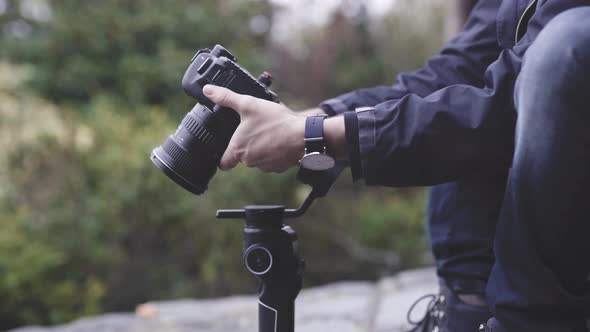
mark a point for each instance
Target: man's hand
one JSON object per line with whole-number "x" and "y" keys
{"x": 269, "y": 137}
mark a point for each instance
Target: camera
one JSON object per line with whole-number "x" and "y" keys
{"x": 190, "y": 155}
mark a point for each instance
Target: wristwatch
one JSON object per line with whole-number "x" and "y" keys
{"x": 315, "y": 157}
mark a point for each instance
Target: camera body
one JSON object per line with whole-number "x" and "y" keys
{"x": 190, "y": 155}
{"x": 219, "y": 67}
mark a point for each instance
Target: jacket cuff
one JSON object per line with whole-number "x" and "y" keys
{"x": 366, "y": 128}
{"x": 334, "y": 106}
{"x": 360, "y": 137}
{"x": 351, "y": 130}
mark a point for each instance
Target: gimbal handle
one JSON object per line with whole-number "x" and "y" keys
{"x": 271, "y": 251}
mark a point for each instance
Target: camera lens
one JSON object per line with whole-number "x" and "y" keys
{"x": 258, "y": 260}
{"x": 190, "y": 155}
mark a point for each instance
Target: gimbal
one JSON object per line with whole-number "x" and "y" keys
{"x": 271, "y": 251}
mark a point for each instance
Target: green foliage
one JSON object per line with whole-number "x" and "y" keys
{"x": 131, "y": 50}
{"x": 409, "y": 34}
{"x": 394, "y": 222}
{"x": 107, "y": 230}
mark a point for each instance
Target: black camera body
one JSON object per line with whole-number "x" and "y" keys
{"x": 219, "y": 67}
{"x": 190, "y": 155}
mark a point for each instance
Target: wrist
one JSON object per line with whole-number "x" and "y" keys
{"x": 335, "y": 137}
{"x": 310, "y": 112}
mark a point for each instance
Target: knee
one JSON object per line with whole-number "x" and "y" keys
{"x": 563, "y": 45}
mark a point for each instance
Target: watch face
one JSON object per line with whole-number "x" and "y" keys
{"x": 317, "y": 161}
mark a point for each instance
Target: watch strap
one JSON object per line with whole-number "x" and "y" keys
{"x": 314, "y": 134}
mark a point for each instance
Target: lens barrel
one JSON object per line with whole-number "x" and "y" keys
{"x": 190, "y": 156}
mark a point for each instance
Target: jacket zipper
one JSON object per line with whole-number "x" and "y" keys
{"x": 530, "y": 6}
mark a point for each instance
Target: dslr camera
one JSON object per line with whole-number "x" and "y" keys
{"x": 190, "y": 155}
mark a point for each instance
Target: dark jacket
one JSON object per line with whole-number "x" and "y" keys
{"x": 454, "y": 116}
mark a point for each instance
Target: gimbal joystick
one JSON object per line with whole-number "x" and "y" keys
{"x": 271, "y": 251}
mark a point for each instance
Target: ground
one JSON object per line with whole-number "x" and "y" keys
{"x": 343, "y": 307}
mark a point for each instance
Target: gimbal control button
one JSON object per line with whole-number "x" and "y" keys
{"x": 258, "y": 260}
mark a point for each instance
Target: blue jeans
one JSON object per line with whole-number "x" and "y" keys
{"x": 530, "y": 241}
{"x": 462, "y": 218}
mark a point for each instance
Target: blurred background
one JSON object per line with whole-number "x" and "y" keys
{"x": 88, "y": 88}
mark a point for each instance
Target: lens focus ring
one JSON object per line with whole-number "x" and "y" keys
{"x": 197, "y": 130}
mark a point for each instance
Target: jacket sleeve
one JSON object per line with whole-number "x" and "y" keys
{"x": 462, "y": 60}
{"x": 428, "y": 140}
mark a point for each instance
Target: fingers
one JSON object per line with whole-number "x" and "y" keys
{"x": 229, "y": 159}
{"x": 227, "y": 98}
{"x": 227, "y": 162}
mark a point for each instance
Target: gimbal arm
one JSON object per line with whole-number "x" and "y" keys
{"x": 320, "y": 182}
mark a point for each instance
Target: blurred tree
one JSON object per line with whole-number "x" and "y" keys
{"x": 88, "y": 224}
{"x": 353, "y": 51}
{"x": 341, "y": 57}
{"x": 133, "y": 50}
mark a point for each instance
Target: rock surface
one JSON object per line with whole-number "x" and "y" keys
{"x": 343, "y": 307}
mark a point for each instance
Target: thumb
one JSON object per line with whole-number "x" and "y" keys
{"x": 227, "y": 98}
